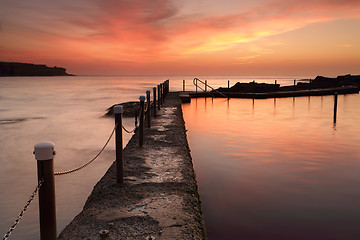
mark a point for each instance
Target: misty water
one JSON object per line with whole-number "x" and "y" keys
{"x": 69, "y": 112}
{"x": 277, "y": 168}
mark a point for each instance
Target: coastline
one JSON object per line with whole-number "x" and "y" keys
{"x": 159, "y": 197}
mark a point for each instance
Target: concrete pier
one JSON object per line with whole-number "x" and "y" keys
{"x": 159, "y": 197}
{"x": 186, "y": 96}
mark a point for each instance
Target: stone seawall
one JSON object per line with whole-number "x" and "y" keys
{"x": 159, "y": 197}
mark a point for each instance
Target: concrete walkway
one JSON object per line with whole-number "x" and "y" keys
{"x": 159, "y": 198}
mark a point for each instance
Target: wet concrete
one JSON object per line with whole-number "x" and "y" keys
{"x": 158, "y": 198}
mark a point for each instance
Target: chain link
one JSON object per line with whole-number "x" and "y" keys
{"x": 128, "y": 130}
{"x": 16, "y": 222}
{"x": 88, "y": 163}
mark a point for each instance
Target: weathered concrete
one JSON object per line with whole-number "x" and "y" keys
{"x": 159, "y": 196}
{"x": 280, "y": 94}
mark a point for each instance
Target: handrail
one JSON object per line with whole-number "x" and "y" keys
{"x": 207, "y": 85}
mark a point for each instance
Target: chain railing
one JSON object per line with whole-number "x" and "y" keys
{"x": 44, "y": 154}
{"x": 16, "y": 222}
{"x": 89, "y": 162}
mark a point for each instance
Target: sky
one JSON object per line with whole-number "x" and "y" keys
{"x": 184, "y": 37}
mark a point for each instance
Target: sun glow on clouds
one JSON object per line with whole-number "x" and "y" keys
{"x": 122, "y": 33}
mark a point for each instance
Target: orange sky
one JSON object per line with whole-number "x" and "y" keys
{"x": 193, "y": 37}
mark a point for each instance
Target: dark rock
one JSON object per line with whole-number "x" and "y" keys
{"x": 8, "y": 69}
{"x": 130, "y": 109}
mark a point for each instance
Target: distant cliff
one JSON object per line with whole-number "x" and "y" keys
{"x": 27, "y": 69}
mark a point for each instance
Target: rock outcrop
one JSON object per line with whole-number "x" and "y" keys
{"x": 8, "y": 69}
{"x": 305, "y": 84}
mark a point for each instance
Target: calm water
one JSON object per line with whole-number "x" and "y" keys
{"x": 67, "y": 111}
{"x": 277, "y": 169}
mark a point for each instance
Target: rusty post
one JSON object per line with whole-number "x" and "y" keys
{"x": 154, "y": 100}
{"x": 148, "y": 111}
{"x": 159, "y": 92}
{"x": 141, "y": 126}
{"x": 118, "y": 110}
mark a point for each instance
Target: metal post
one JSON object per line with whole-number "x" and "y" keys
{"x": 118, "y": 110}
{"x": 44, "y": 154}
{"x": 154, "y": 100}
{"x": 335, "y": 105}
{"x": 136, "y": 119}
{"x": 159, "y": 93}
{"x": 275, "y": 82}
{"x": 148, "y": 112}
{"x": 196, "y": 86}
{"x": 167, "y": 87}
{"x": 183, "y": 85}
{"x": 205, "y": 85}
{"x": 141, "y": 127}
{"x": 228, "y": 83}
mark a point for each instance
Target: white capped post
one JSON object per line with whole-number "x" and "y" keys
{"x": 44, "y": 154}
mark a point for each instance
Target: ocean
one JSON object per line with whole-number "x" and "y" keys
{"x": 69, "y": 111}
{"x": 277, "y": 168}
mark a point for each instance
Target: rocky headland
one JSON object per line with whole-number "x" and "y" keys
{"x": 9, "y": 69}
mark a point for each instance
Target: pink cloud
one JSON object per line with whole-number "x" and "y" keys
{"x": 143, "y": 31}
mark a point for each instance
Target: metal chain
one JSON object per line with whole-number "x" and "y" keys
{"x": 16, "y": 222}
{"x": 88, "y": 163}
{"x": 128, "y": 130}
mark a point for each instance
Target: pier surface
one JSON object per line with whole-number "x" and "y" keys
{"x": 186, "y": 96}
{"x": 159, "y": 198}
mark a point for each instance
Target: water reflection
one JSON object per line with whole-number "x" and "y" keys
{"x": 273, "y": 169}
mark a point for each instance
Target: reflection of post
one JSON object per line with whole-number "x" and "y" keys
{"x": 335, "y": 105}
{"x": 274, "y": 106}
{"x": 228, "y": 105}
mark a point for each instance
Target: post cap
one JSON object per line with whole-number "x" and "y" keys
{"x": 154, "y": 88}
{"x": 142, "y": 98}
{"x": 44, "y": 151}
{"x": 118, "y": 109}
{"x": 147, "y": 92}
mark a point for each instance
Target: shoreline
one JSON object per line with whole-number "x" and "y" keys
{"x": 159, "y": 197}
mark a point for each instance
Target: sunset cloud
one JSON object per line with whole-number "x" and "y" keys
{"x": 142, "y": 31}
